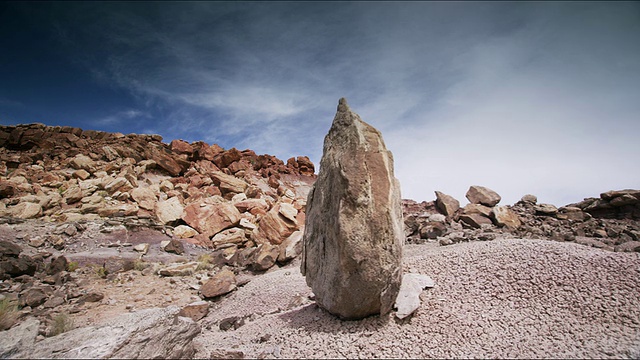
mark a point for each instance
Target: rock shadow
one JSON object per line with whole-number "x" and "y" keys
{"x": 313, "y": 319}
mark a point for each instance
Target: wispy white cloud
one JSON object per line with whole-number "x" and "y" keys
{"x": 533, "y": 97}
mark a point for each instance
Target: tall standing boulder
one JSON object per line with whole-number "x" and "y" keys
{"x": 352, "y": 245}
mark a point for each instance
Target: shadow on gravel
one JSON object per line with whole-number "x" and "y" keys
{"x": 312, "y": 319}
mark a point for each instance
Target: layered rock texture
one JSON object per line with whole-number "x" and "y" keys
{"x": 195, "y": 193}
{"x": 352, "y": 246}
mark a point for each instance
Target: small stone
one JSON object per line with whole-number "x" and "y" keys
{"x": 196, "y": 310}
{"x": 220, "y": 284}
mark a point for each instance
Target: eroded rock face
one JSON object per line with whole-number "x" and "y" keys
{"x": 353, "y": 237}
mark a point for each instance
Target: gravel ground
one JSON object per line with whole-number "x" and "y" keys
{"x": 509, "y": 298}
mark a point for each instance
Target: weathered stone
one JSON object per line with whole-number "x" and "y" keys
{"x": 353, "y": 238}
{"x": 7, "y": 248}
{"x": 572, "y": 213}
{"x": 274, "y": 227}
{"x": 477, "y": 209}
{"x": 482, "y": 195}
{"x": 250, "y": 204}
{"x": 529, "y": 199}
{"x": 228, "y": 183}
{"x": 475, "y": 220}
{"x": 145, "y": 197}
{"x": 265, "y": 257}
{"x": 174, "y": 246}
{"x": 288, "y": 211}
{"x": 118, "y": 184}
{"x": 432, "y": 230}
{"x": 408, "y": 300}
{"x": 230, "y": 236}
{"x": 58, "y": 264}
{"x": 184, "y": 232}
{"x": 181, "y": 147}
{"x": 72, "y": 195}
{"x": 221, "y": 283}
{"x": 291, "y": 247}
{"x": 447, "y": 204}
{"x": 196, "y": 310}
{"x": 211, "y": 215}
{"x": 142, "y": 248}
{"x": 33, "y": 297}
{"x": 150, "y": 333}
{"x": 169, "y": 210}
{"x": 83, "y": 162}
{"x": 179, "y": 269}
{"x": 546, "y": 209}
{"x": 18, "y": 338}
{"x": 81, "y": 174}
{"x": 504, "y": 216}
{"x": 26, "y": 210}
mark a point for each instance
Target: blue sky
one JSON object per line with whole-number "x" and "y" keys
{"x": 537, "y": 97}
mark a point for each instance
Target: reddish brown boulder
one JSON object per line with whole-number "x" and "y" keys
{"x": 447, "y": 204}
{"x": 226, "y": 158}
{"x": 274, "y": 227}
{"x": 181, "y": 147}
{"x": 482, "y": 195}
{"x": 221, "y": 283}
{"x": 211, "y": 215}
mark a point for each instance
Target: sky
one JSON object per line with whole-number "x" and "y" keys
{"x": 535, "y": 98}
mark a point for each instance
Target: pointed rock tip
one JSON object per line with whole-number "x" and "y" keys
{"x": 342, "y": 105}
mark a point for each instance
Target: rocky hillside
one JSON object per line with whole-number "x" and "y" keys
{"x": 199, "y": 193}
{"x": 609, "y": 222}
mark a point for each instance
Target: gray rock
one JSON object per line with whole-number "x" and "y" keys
{"x": 149, "y": 333}
{"x": 18, "y": 338}
{"x": 352, "y": 245}
{"x": 408, "y": 300}
{"x": 546, "y": 209}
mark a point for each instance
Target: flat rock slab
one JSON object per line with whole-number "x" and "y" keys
{"x": 408, "y": 300}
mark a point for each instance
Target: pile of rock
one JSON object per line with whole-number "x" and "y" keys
{"x": 608, "y": 222}
{"x": 248, "y": 205}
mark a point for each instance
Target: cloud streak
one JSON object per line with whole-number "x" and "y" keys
{"x": 519, "y": 97}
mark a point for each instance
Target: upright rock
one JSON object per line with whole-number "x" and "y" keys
{"x": 352, "y": 245}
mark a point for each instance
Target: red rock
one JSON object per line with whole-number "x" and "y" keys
{"x": 305, "y": 166}
{"x": 226, "y": 158}
{"x": 447, "y": 204}
{"x": 221, "y": 283}
{"x": 210, "y": 216}
{"x": 181, "y": 147}
{"x": 274, "y": 228}
{"x": 482, "y": 195}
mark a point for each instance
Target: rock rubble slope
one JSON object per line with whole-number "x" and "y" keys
{"x": 508, "y": 298}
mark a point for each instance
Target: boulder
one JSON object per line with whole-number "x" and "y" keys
{"x": 196, "y": 310}
{"x": 228, "y": 184}
{"x": 291, "y": 247}
{"x": 265, "y": 257}
{"x": 184, "y": 232}
{"x": 150, "y": 333}
{"x": 72, "y": 195}
{"x": 529, "y": 199}
{"x": 447, "y": 204}
{"x": 275, "y": 227}
{"x": 169, "y": 210}
{"x": 181, "y": 147}
{"x": 504, "y": 216}
{"x": 174, "y": 246}
{"x": 230, "y": 236}
{"x": 221, "y": 283}
{"x": 477, "y": 209}
{"x": 352, "y": 244}
{"x": 546, "y": 209}
{"x": 145, "y": 197}
{"x": 482, "y": 195}
{"x": 211, "y": 215}
{"x": 475, "y": 220}
{"x": 83, "y": 162}
{"x": 179, "y": 269}
{"x": 26, "y": 210}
